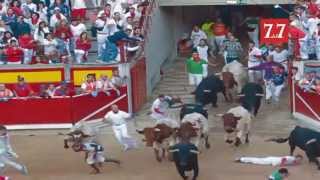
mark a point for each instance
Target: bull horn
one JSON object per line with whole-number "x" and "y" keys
{"x": 241, "y": 95}
{"x": 259, "y": 94}
{"x": 194, "y": 151}
{"x": 157, "y": 129}
{"x": 218, "y": 74}
{"x": 140, "y": 131}
{"x": 219, "y": 115}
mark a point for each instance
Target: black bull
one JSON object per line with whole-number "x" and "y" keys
{"x": 250, "y": 97}
{"x": 306, "y": 139}
{"x": 185, "y": 157}
{"x": 206, "y": 91}
{"x": 191, "y": 108}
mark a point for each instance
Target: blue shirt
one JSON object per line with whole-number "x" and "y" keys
{"x": 278, "y": 79}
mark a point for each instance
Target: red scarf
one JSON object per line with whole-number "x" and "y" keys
{"x": 107, "y": 12}
{"x": 58, "y": 16}
{"x": 132, "y": 14}
{"x": 34, "y": 20}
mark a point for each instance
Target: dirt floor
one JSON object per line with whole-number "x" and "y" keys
{"x": 47, "y": 160}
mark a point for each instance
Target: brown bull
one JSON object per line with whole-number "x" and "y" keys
{"x": 230, "y": 123}
{"x": 229, "y": 83}
{"x": 159, "y": 137}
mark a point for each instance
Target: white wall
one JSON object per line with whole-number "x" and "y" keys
{"x": 219, "y": 2}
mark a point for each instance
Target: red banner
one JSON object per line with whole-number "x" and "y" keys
{"x": 274, "y": 31}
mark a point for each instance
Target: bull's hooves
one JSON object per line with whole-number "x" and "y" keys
{"x": 229, "y": 141}
{"x": 208, "y": 146}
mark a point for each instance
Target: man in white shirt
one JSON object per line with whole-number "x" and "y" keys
{"x": 77, "y": 28}
{"x": 280, "y": 55}
{"x": 197, "y": 35}
{"x": 56, "y": 17}
{"x": 104, "y": 84}
{"x": 272, "y": 160}
{"x": 117, "y": 119}
{"x": 254, "y": 59}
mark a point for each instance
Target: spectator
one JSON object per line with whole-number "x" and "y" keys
{"x": 117, "y": 80}
{"x": 197, "y": 35}
{"x": 106, "y": 12}
{"x": 90, "y": 85}
{"x": 78, "y": 9}
{"x": 83, "y": 45}
{"x": 42, "y": 10}
{"x": 118, "y": 20}
{"x": 63, "y": 47}
{"x": 38, "y": 59}
{"x": 43, "y": 91}
{"x": 77, "y": 28}
{"x": 61, "y": 7}
{"x": 296, "y": 76}
{"x": 195, "y": 69}
{"x": 20, "y": 27}
{"x": 13, "y": 53}
{"x": 16, "y": 7}
{"x": 5, "y": 92}
{"x": 62, "y": 90}
{"x": 27, "y": 44}
{"x": 51, "y": 90}
{"x": 10, "y": 17}
{"x": 28, "y": 7}
{"x": 34, "y": 21}
{"x": 63, "y": 27}
{"x": 3, "y": 8}
{"x": 105, "y": 85}
{"x": 102, "y": 31}
{"x": 56, "y": 17}
{"x": 316, "y": 86}
{"x": 306, "y": 82}
{"x": 50, "y": 48}
{"x": 22, "y": 89}
{"x": 40, "y": 32}
{"x": 7, "y": 37}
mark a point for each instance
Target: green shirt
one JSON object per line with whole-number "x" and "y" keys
{"x": 276, "y": 176}
{"x": 206, "y": 27}
{"x": 194, "y": 67}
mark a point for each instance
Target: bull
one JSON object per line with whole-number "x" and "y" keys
{"x": 160, "y": 138}
{"x": 206, "y": 92}
{"x": 200, "y": 125}
{"x": 250, "y": 97}
{"x": 185, "y": 154}
{"x": 239, "y": 72}
{"x": 192, "y": 108}
{"x": 304, "y": 138}
{"x": 236, "y": 121}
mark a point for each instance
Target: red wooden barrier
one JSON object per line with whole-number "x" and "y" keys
{"x": 138, "y": 84}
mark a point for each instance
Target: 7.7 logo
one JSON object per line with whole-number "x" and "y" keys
{"x": 274, "y": 31}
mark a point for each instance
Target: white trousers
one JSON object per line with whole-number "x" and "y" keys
{"x": 95, "y": 157}
{"x": 254, "y": 36}
{"x": 101, "y": 39}
{"x": 121, "y": 132}
{"x": 303, "y": 48}
{"x": 4, "y": 160}
{"x": 79, "y": 55}
{"x": 262, "y": 161}
{"x": 27, "y": 56}
{"x": 195, "y": 79}
{"x": 254, "y": 76}
{"x": 273, "y": 91}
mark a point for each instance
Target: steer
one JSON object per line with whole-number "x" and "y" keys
{"x": 306, "y": 139}
{"x": 250, "y": 97}
{"x": 206, "y": 92}
{"x": 191, "y": 108}
{"x": 236, "y": 121}
{"x": 239, "y": 73}
{"x": 201, "y": 127}
{"x": 160, "y": 138}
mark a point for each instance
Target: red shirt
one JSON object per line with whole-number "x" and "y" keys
{"x": 313, "y": 9}
{"x": 17, "y": 11}
{"x": 219, "y": 29}
{"x": 83, "y": 45}
{"x": 22, "y": 90}
{"x": 26, "y": 42}
{"x": 14, "y": 54}
{"x": 63, "y": 29}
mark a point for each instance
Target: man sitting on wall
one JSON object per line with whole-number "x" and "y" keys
{"x": 5, "y": 93}
{"x": 22, "y": 89}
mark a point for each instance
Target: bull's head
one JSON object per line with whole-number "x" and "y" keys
{"x": 186, "y": 131}
{"x": 76, "y": 137}
{"x": 230, "y": 122}
{"x": 156, "y": 134}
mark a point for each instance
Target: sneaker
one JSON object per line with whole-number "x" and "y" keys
{"x": 24, "y": 170}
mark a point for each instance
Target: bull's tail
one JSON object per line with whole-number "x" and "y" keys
{"x": 278, "y": 140}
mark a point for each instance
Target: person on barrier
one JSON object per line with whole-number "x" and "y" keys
{"x": 5, "y": 93}
{"x": 117, "y": 119}
{"x": 90, "y": 85}
{"x": 105, "y": 85}
{"x": 22, "y": 89}
{"x": 7, "y": 155}
{"x": 117, "y": 80}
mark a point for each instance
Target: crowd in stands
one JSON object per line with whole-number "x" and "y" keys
{"x": 91, "y": 86}
{"x": 60, "y": 31}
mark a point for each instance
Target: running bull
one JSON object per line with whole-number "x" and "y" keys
{"x": 306, "y": 139}
{"x": 236, "y": 121}
{"x": 206, "y": 92}
{"x": 250, "y": 97}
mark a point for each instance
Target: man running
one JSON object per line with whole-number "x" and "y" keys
{"x": 117, "y": 119}
{"x": 7, "y": 155}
